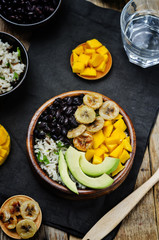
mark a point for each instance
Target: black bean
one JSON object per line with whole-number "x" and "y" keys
{"x": 69, "y": 111}
{"x": 58, "y": 113}
{"x": 61, "y": 119}
{"x": 42, "y": 125}
{"x": 64, "y": 131}
{"x": 66, "y": 121}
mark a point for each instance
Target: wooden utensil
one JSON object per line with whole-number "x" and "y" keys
{"x": 111, "y": 219}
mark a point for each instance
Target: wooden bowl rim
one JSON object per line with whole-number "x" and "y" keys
{"x": 4, "y": 206}
{"x": 90, "y": 193}
{"x": 99, "y": 74}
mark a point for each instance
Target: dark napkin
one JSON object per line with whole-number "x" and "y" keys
{"x": 133, "y": 88}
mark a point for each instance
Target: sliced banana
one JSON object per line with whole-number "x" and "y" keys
{"x": 85, "y": 114}
{"x": 29, "y": 210}
{"x": 84, "y": 141}
{"x": 12, "y": 222}
{"x": 4, "y": 216}
{"x": 96, "y": 125}
{"x": 14, "y": 206}
{"x": 76, "y": 131}
{"x": 93, "y": 100}
{"x": 109, "y": 110}
{"x": 26, "y": 228}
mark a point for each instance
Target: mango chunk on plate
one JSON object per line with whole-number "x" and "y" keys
{"x": 93, "y": 43}
{"x": 4, "y": 144}
{"x": 89, "y": 72}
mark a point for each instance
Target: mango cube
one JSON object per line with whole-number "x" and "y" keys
{"x": 102, "y": 50}
{"x": 3, "y": 135}
{"x": 78, "y": 67}
{"x": 111, "y": 147}
{"x": 84, "y": 59}
{"x": 118, "y": 117}
{"x": 75, "y": 57}
{"x": 120, "y": 124}
{"x": 3, "y": 153}
{"x": 99, "y": 152}
{"x": 124, "y": 156}
{"x": 117, "y": 151}
{"x": 96, "y": 60}
{"x": 102, "y": 146}
{"x": 97, "y": 160}
{"x": 107, "y": 123}
{"x": 127, "y": 145}
{"x": 106, "y": 155}
{"x": 119, "y": 133}
{"x": 98, "y": 139}
{"x": 119, "y": 169}
{"x": 78, "y": 50}
{"x": 101, "y": 67}
{"x": 89, "y": 71}
{"x": 89, "y": 154}
{"x": 107, "y": 131}
{"x": 112, "y": 140}
{"x": 89, "y": 51}
{"x": 106, "y": 58}
{"x": 93, "y": 43}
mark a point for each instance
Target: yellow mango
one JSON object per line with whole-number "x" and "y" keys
{"x": 107, "y": 131}
{"x": 89, "y": 154}
{"x": 75, "y": 57}
{"x": 111, "y": 147}
{"x": 106, "y": 57}
{"x": 89, "y": 71}
{"x": 93, "y": 43}
{"x": 97, "y": 160}
{"x": 124, "y": 156}
{"x": 117, "y": 151}
{"x": 119, "y": 133}
{"x": 3, "y": 153}
{"x": 6, "y": 145}
{"x": 120, "y": 124}
{"x": 89, "y": 51}
{"x": 107, "y": 123}
{"x": 84, "y": 59}
{"x": 98, "y": 139}
{"x": 103, "y": 146}
{"x": 96, "y": 60}
{"x": 106, "y": 155}
{"x": 119, "y": 169}
{"x": 101, "y": 67}
{"x": 3, "y": 135}
{"x": 78, "y": 67}
{"x": 127, "y": 145}
{"x": 99, "y": 152}
{"x": 102, "y": 50}
{"x": 78, "y": 50}
{"x": 112, "y": 140}
{"x": 128, "y": 139}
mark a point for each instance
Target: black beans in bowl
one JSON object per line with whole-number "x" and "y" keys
{"x": 28, "y": 12}
{"x": 58, "y": 119}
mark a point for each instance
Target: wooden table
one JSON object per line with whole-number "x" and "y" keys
{"x": 143, "y": 222}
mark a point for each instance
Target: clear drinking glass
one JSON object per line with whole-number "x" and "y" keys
{"x": 140, "y": 31}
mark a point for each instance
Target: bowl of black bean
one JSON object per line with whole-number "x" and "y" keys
{"x": 30, "y": 13}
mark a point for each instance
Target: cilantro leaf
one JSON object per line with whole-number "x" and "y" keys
{"x": 15, "y": 76}
{"x": 19, "y": 53}
{"x": 44, "y": 160}
{"x": 2, "y": 78}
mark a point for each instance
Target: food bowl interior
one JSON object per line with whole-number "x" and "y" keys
{"x": 62, "y": 190}
{"x": 14, "y": 42}
{"x": 36, "y": 23}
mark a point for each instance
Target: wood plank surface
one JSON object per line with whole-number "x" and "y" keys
{"x": 143, "y": 221}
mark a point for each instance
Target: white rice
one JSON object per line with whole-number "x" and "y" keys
{"x": 9, "y": 66}
{"x": 48, "y": 147}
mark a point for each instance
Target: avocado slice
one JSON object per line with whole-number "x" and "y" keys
{"x": 72, "y": 158}
{"x": 107, "y": 166}
{"x": 63, "y": 170}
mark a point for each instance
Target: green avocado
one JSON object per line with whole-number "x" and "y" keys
{"x": 63, "y": 170}
{"x": 72, "y": 158}
{"x": 94, "y": 170}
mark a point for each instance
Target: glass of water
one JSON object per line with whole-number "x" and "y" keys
{"x": 140, "y": 31}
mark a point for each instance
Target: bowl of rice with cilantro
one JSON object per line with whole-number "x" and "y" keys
{"x": 13, "y": 63}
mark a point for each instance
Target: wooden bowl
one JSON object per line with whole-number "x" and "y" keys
{"x": 60, "y": 189}
{"x": 99, "y": 74}
{"x": 13, "y": 233}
